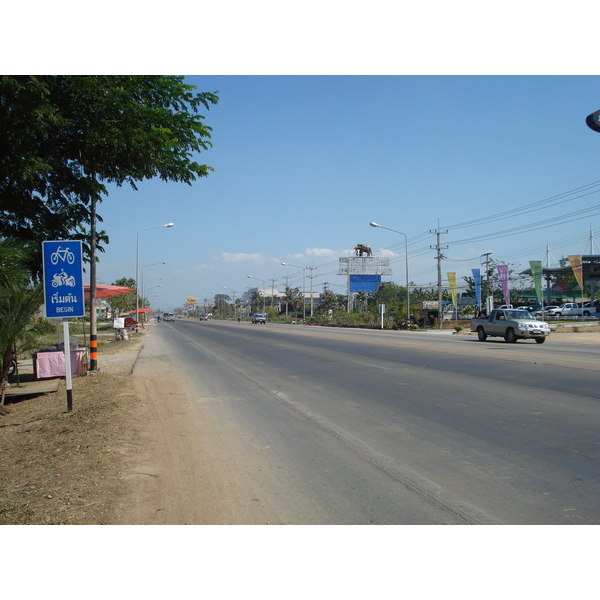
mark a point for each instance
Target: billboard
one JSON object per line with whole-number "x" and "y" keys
{"x": 364, "y": 283}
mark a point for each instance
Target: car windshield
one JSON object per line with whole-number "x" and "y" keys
{"x": 519, "y": 314}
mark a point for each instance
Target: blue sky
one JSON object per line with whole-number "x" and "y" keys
{"x": 304, "y": 163}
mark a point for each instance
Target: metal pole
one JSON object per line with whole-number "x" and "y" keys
{"x": 69, "y": 383}
{"x": 373, "y": 224}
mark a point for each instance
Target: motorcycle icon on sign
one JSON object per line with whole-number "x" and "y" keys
{"x": 63, "y": 279}
{"x": 62, "y": 254}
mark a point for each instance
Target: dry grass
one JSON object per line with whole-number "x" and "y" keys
{"x": 59, "y": 467}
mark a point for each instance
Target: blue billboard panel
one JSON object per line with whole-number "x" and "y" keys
{"x": 364, "y": 283}
{"x": 63, "y": 279}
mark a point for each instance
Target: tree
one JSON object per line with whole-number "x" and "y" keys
{"x": 295, "y": 298}
{"x": 222, "y": 304}
{"x": 328, "y": 301}
{"x": 66, "y": 137}
{"x": 19, "y": 300}
{"x": 123, "y": 302}
{"x": 361, "y": 300}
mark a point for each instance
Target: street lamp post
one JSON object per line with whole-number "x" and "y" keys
{"x": 303, "y": 286}
{"x": 162, "y": 262}
{"x": 137, "y": 262}
{"x": 264, "y": 288}
{"x": 373, "y": 224}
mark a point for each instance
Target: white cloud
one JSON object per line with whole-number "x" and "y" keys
{"x": 385, "y": 253}
{"x": 321, "y": 252}
{"x": 240, "y": 257}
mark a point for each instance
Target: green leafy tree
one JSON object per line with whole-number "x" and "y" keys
{"x": 222, "y": 304}
{"x": 66, "y": 137}
{"x": 361, "y": 300}
{"x": 19, "y": 299}
{"x": 293, "y": 297}
{"x": 328, "y": 301}
{"x": 394, "y": 297}
{"x": 124, "y": 302}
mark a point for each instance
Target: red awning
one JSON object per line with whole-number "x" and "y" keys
{"x": 104, "y": 291}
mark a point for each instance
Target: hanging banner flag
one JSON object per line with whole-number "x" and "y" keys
{"x": 503, "y": 274}
{"x": 477, "y": 279}
{"x": 576, "y": 265}
{"x": 536, "y": 274}
{"x": 452, "y": 282}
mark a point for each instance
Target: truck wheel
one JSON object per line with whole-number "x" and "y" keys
{"x": 540, "y": 340}
{"x": 586, "y": 313}
{"x": 510, "y": 335}
{"x": 481, "y": 334}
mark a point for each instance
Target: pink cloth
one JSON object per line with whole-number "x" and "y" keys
{"x": 52, "y": 363}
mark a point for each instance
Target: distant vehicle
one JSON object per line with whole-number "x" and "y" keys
{"x": 569, "y": 309}
{"x": 168, "y": 317}
{"x": 532, "y": 308}
{"x": 512, "y": 325}
{"x": 259, "y": 318}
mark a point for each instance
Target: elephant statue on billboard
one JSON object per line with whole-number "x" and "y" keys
{"x": 361, "y": 249}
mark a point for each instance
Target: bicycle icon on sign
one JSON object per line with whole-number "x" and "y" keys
{"x": 62, "y": 254}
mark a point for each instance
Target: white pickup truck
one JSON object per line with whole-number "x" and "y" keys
{"x": 512, "y": 325}
{"x": 570, "y": 309}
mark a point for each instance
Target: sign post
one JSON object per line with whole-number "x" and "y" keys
{"x": 382, "y": 312}
{"x": 63, "y": 292}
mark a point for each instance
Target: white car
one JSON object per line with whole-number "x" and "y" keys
{"x": 570, "y": 309}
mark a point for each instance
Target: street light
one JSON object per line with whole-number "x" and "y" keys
{"x": 264, "y": 287}
{"x": 373, "y": 224}
{"x": 303, "y": 287}
{"x": 137, "y": 262}
{"x": 146, "y": 289}
{"x": 162, "y": 262}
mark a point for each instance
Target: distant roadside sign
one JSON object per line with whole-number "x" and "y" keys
{"x": 63, "y": 279}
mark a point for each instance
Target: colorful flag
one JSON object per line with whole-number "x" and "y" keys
{"x": 576, "y": 265}
{"x": 503, "y": 274}
{"x": 536, "y": 274}
{"x": 452, "y": 282}
{"x": 477, "y": 279}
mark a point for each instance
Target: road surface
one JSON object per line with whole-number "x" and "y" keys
{"x": 342, "y": 426}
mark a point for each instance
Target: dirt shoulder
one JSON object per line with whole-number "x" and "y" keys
{"x": 136, "y": 449}
{"x": 62, "y": 468}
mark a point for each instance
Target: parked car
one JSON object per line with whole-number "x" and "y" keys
{"x": 532, "y": 308}
{"x": 570, "y": 309}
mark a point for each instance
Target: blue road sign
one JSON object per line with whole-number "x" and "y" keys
{"x": 63, "y": 279}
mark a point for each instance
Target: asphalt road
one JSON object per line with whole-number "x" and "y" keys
{"x": 341, "y": 426}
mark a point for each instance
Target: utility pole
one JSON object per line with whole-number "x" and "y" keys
{"x": 287, "y": 285}
{"x": 487, "y": 281}
{"x": 272, "y": 290}
{"x": 311, "y": 277}
{"x": 439, "y": 258}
